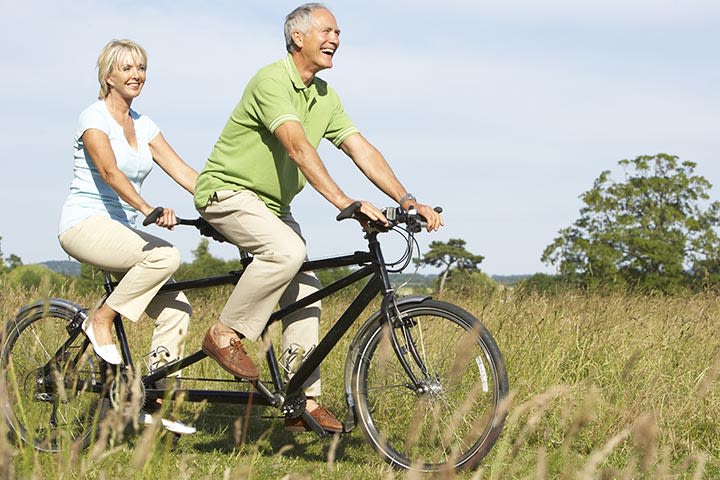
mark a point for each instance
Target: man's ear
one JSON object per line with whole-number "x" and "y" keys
{"x": 297, "y": 38}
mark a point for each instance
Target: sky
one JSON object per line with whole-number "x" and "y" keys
{"x": 503, "y": 112}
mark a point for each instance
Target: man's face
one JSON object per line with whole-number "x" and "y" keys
{"x": 319, "y": 45}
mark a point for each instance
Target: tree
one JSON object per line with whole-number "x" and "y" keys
{"x": 446, "y": 255}
{"x": 90, "y": 280}
{"x": 13, "y": 261}
{"x": 656, "y": 230}
{"x": 36, "y": 276}
{"x": 205, "y": 264}
{"x": 330, "y": 275}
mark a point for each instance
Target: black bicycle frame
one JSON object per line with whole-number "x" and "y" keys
{"x": 372, "y": 264}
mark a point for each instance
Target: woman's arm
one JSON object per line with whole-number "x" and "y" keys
{"x": 98, "y": 146}
{"x": 172, "y": 164}
{"x": 101, "y": 153}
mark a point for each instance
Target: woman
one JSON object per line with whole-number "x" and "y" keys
{"x": 114, "y": 150}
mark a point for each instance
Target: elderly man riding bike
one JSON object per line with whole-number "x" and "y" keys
{"x": 265, "y": 155}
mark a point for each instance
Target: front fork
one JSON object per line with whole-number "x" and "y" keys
{"x": 403, "y": 342}
{"x": 401, "y": 328}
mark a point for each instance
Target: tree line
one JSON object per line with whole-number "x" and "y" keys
{"x": 653, "y": 230}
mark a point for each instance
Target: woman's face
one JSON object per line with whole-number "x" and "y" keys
{"x": 127, "y": 77}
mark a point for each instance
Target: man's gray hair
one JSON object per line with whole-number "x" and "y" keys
{"x": 300, "y": 20}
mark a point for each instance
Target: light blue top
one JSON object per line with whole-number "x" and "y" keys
{"x": 89, "y": 194}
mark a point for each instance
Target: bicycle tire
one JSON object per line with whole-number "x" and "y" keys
{"x": 456, "y": 422}
{"x": 55, "y": 385}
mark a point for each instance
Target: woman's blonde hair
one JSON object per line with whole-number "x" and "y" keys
{"x": 111, "y": 55}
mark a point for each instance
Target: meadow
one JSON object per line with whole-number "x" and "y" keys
{"x": 602, "y": 386}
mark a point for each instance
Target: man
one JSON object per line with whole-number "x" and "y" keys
{"x": 263, "y": 158}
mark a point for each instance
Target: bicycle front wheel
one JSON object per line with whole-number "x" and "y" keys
{"x": 55, "y": 384}
{"x": 452, "y": 420}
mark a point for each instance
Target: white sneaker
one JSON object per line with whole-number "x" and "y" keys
{"x": 174, "y": 426}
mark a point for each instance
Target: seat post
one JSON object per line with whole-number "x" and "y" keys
{"x": 107, "y": 282}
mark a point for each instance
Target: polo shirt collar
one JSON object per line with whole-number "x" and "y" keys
{"x": 293, "y": 72}
{"x": 295, "y": 76}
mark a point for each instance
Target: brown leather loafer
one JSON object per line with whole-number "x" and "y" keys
{"x": 232, "y": 358}
{"x": 321, "y": 415}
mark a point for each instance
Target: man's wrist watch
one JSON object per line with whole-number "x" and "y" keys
{"x": 406, "y": 197}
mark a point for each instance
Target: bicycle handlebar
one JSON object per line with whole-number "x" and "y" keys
{"x": 200, "y": 223}
{"x": 395, "y": 216}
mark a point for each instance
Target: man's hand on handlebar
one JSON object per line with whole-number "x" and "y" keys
{"x": 393, "y": 216}
{"x": 432, "y": 217}
{"x": 372, "y": 212}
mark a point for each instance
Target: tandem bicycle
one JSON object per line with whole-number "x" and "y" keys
{"x": 423, "y": 379}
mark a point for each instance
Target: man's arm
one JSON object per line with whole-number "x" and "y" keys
{"x": 374, "y": 166}
{"x": 292, "y": 136}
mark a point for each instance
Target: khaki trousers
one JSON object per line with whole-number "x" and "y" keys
{"x": 272, "y": 277}
{"x": 143, "y": 263}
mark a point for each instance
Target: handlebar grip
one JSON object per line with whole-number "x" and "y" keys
{"x": 348, "y": 211}
{"x": 153, "y": 216}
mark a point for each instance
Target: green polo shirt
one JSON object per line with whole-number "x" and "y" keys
{"x": 249, "y": 156}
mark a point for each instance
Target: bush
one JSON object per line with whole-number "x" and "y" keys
{"x": 470, "y": 282}
{"x": 35, "y": 276}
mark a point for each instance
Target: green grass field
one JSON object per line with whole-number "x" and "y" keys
{"x": 601, "y": 387}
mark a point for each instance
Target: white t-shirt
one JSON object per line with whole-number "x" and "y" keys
{"x": 89, "y": 194}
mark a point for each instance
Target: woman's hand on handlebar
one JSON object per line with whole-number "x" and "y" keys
{"x": 165, "y": 219}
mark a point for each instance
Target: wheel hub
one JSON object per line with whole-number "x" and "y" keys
{"x": 430, "y": 387}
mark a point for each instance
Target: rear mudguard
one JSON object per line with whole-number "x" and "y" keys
{"x": 370, "y": 324}
{"x": 52, "y": 305}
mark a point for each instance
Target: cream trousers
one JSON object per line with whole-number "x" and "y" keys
{"x": 143, "y": 263}
{"x": 272, "y": 277}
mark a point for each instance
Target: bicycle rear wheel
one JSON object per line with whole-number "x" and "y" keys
{"x": 55, "y": 384}
{"x": 454, "y": 419}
